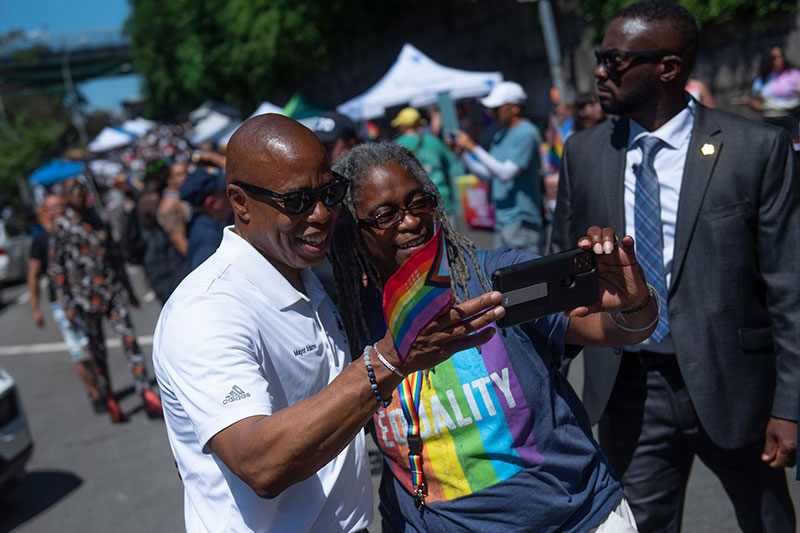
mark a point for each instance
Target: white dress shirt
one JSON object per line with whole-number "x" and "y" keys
{"x": 236, "y": 340}
{"x": 669, "y": 163}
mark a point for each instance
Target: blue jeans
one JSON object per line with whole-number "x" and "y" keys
{"x": 74, "y": 338}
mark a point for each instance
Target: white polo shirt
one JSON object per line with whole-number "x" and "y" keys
{"x": 235, "y": 340}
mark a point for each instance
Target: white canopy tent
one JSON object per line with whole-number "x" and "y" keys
{"x": 138, "y": 126}
{"x": 414, "y": 78}
{"x": 209, "y": 127}
{"x": 110, "y": 138}
{"x": 266, "y": 107}
{"x": 211, "y": 120}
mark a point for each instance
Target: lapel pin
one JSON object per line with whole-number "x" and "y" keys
{"x": 707, "y": 149}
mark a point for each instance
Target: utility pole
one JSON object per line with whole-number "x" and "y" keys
{"x": 77, "y": 117}
{"x": 551, "y": 44}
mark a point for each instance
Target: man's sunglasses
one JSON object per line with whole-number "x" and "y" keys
{"x": 610, "y": 59}
{"x": 300, "y": 201}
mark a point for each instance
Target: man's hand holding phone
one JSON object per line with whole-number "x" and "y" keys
{"x": 622, "y": 283}
{"x": 599, "y": 284}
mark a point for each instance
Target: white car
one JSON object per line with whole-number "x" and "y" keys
{"x": 16, "y": 445}
{"x": 15, "y": 250}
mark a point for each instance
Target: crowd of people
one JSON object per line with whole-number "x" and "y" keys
{"x": 272, "y": 352}
{"x": 169, "y": 218}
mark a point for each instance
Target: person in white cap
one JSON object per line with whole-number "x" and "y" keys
{"x": 512, "y": 163}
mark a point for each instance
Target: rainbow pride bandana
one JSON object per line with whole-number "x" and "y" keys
{"x": 417, "y": 293}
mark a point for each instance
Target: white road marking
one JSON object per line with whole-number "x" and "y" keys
{"x": 23, "y": 298}
{"x": 51, "y": 347}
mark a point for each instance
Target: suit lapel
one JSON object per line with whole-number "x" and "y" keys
{"x": 613, "y": 177}
{"x": 701, "y": 159}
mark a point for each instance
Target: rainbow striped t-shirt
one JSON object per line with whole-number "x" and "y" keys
{"x": 505, "y": 438}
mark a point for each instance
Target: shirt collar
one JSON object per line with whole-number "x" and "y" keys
{"x": 675, "y": 132}
{"x": 264, "y": 276}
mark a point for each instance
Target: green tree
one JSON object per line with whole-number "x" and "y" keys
{"x": 36, "y": 130}
{"x": 239, "y": 51}
{"x": 26, "y": 143}
{"x": 599, "y": 13}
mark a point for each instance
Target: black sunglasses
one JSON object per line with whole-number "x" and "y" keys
{"x": 300, "y": 201}
{"x": 610, "y": 59}
{"x": 421, "y": 204}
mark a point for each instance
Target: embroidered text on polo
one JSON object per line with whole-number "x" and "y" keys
{"x": 299, "y": 352}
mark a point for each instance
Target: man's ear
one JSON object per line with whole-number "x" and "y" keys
{"x": 670, "y": 68}
{"x": 238, "y": 201}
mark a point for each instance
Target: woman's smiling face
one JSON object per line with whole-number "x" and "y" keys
{"x": 387, "y": 188}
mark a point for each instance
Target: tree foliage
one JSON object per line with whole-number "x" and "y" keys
{"x": 238, "y": 51}
{"x": 36, "y": 127}
{"x": 35, "y": 131}
{"x": 599, "y": 13}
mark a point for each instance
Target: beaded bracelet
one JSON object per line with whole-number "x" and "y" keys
{"x": 650, "y": 293}
{"x": 653, "y": 292}
{"x": 373, "y": 383}
{"x": 387, "y": 364}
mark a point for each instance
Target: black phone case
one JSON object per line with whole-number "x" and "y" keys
{"x": 547, "y": 285}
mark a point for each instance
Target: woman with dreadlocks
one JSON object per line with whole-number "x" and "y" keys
{"x": 491, "y": 439}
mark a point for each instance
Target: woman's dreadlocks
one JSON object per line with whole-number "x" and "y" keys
{"x": 348, "y": 253}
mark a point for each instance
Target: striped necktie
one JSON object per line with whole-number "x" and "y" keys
{"x": 647, "y": 222}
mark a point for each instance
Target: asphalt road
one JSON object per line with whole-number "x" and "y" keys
{"x": 89, "y": 475}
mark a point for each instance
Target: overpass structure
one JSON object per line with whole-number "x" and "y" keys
{"x": 41, "y": 59}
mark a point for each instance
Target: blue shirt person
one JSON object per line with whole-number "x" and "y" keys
{"x": 205, "y": 190}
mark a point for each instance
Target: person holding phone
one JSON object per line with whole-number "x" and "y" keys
{"x": 512, "y": 165}
{"x": 264, "y": 399}
{"x": 502, "y": 437}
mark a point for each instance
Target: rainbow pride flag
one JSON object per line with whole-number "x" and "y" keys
{"x": 417, "y": 293}
{"x": 552, "y": 150}
{"x": 370, "y": 130}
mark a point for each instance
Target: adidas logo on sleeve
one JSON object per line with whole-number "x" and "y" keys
{"x": 235, "y": 395}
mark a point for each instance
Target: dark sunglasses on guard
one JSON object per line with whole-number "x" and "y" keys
{"x": 610, "y": 58}
{"x": 300, "y": 201}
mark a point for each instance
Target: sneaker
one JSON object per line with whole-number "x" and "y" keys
{"x": 152, "y": 404}
{"x": 99, "y": 405}
{"x": 149, "y": 296}
{"x": 113, "y": 409}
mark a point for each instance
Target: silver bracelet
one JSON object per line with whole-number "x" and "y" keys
{"x": 644, "y": 328}
{"x": 386, "y": 363}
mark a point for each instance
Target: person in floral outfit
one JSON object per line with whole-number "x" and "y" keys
{"x": 90, "y": 287}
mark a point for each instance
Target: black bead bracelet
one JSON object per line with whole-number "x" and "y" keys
{"x": 373, "y": 383}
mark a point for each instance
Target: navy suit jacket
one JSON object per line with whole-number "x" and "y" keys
{"x": 734, "y": 297}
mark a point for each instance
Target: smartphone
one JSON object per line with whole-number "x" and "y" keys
{"x": 547, "y": 285}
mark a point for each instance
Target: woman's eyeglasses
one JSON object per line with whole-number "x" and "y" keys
{"x": 421, "y": 204}
{"x": 300, "y": 201}
{"x": 610, "y": 59}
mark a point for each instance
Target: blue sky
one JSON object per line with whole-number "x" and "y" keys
{"x": 67, "y": 16}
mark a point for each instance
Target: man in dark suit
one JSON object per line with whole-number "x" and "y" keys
{"x": 712, "y": 200}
